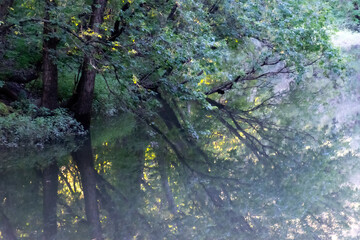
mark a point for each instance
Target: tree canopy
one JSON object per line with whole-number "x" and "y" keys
{"x": 165, "y": 60}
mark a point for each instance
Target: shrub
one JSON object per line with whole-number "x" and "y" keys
{"x": 37, "y": 126}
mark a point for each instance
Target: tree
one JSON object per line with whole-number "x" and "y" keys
{"x": 50, "y": 72}
{"x": 83, "y": 97}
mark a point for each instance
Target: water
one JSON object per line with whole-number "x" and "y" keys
{"x": 125, "y": 182}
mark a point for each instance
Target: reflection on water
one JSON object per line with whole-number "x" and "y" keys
{"x": 127, "y": 182}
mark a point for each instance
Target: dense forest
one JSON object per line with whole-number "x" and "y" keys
{"x": 209, "y": 119}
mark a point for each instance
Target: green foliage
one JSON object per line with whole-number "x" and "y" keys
{"x": 36, "y": 127}
{"x": 4, "y": 110}
{"x": 208, "y": 42}
{"x": 109, "y": 130}
{"x": 346, "y": 13}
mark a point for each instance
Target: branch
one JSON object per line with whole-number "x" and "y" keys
{"x": 242, "y": 139}
{"x": 248, "y": 77}
{"x": 65, "y": 28}
{"x": 66, "y": 182}
{"x": 182, "y": 159}
{"x": 117, "y": 30}
{"x": 172, "y": 12}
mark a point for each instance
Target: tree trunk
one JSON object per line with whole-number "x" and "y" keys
{"x": 4, "y": 8}
{"x": 50, "y": 73}
{"x": 82, "y": 102}
{"x": 50, "y": 187}
{"x": 4, "y": 11}
{"x": 85, "y": 162}
{"x": 83, "y": 97}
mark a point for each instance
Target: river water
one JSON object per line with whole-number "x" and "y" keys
{"x": 123, "y": 184}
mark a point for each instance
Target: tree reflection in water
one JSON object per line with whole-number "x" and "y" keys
{"x": 84, "y": 159}
{"x": 134, "y": 184}
{"x": 50, "y": 187}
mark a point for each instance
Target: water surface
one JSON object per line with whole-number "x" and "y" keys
{"x": 125, "y": 182}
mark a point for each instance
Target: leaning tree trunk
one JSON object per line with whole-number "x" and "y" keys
{"x": 83, "y": 97}
{"x": 50, "y": 72}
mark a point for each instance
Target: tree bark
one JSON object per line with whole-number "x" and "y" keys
{"x": 50, "y": 72}
{"x": 85, "y": 161}
{"x": 83, "y": 97}
{"x": 50, "y": 187}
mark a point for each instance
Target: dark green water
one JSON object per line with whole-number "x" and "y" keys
{"x": 126, "y": 183}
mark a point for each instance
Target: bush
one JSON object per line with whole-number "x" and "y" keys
{"x": 37, "y": 126}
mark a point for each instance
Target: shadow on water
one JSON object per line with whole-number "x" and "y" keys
{"x": 124, "y": 182}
